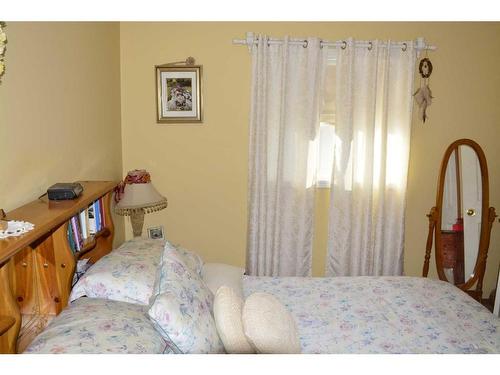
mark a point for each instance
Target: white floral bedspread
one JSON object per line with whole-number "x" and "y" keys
{"x": 382, "y": 315}
{"x": 94, "y": 326}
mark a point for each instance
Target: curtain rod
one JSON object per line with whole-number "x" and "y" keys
{"x": 420, "y": 44}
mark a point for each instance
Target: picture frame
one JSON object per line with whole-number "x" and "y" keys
{"x": 156, "y": 233}
{"x": 178, "y": 94}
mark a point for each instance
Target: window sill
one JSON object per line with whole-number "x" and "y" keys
{"x": 323, "y": 185}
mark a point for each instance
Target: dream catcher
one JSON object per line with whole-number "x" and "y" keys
{"x": 423, "y": 96}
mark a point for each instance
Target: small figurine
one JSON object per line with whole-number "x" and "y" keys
{"x": 423, "y": 96}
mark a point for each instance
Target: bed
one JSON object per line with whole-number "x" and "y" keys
{"x": 382, "y": 315}
{"x": 150, "y": 296}
{"x": 333, "y": 315}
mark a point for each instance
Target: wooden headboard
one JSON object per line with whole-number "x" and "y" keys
{"x": 37, "y": 268}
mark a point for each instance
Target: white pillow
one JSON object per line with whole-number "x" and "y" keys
{"x": 269, "y": 326}
{"x": 181, "y": 308}
{"x": 228, "y": 306}
{"x": 216, "y": 275}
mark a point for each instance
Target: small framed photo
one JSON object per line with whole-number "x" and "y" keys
{"x": 178, "y": 94}
{"x": 156, "y": 233}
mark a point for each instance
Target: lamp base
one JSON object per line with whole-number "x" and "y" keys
{"x": 137, "y": 220}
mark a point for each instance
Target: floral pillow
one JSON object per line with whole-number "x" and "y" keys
{"x": 94, "y": 326}
{"x": 190, "y": 258}
{"x": 182, "y": 308}
{"x": 126, "y": 274}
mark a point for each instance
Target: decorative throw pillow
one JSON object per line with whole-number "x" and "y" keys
{"x": 181, "y": 308}
{"x": 269, "y": 326}
{"x": 228, "y": 307}
{"x": 216, "y": 275}
{"x": 190, "y": 258}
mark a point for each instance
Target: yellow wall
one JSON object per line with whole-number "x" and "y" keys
{"x": 59, "y": 108}
{"x": 202, "y": 169}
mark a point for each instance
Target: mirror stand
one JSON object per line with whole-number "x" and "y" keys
{"x": 481, "y": 261}
{"x": 460, "y": 222}
{"x": 428, "y": 247}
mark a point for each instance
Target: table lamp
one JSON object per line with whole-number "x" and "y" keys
{"x": 136, "y": 196}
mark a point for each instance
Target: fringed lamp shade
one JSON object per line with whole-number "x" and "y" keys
{"x": 140, "y": 197}
{"x": 137, "y": 196}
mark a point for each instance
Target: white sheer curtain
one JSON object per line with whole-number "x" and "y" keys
{"x": 284, "y": 121}
{"x": 372, "y": 128}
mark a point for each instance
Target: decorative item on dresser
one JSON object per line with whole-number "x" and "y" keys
{"x": 136, "y": 196}
{"x": 36, "y": 268}
{"x": 461, "y": 220}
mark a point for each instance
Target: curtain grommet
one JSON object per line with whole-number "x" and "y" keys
{"x": 344, "y": 44}
{"x": 321, "y": 44}
{"x": 306, "y": 43}
{"x": 370, "y": 47}
{"x": 405, "y": 47}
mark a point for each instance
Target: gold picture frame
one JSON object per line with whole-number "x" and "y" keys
{"x": 178, "y": 94}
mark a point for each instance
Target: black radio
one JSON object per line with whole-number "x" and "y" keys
{"x": 64, "y": 191}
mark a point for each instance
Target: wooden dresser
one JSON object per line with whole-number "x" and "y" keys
{"x": 37, "y": 268}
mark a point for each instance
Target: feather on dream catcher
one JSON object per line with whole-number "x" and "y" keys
{"x": 423, "y": 96}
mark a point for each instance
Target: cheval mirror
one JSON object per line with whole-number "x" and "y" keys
{"x": 461, "y": 220}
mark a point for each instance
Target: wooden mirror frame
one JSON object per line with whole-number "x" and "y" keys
{"x": 487, "y": 217}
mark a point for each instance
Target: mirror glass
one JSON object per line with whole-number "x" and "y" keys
{"x": 461, "y": 214}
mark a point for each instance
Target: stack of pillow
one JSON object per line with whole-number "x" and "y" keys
{"x": 179, "y": 291}
{"x": 181, "y": 305}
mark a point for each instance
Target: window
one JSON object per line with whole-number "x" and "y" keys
{"x": 388, "y": 151}
{"x": 326, "y": 149}
{"x": 326, "y": 136}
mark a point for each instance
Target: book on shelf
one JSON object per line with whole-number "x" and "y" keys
{"x": 91, "y": 215}
{"x": 101, "y": 210}
{"x": 86, "y": 224}
{"x": 97, "y": 214}
{"x": 76, "y": 233}
{"x": 71, "y": 238}
{"x": 83, "y": 224}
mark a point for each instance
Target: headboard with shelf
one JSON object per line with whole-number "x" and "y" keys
{"x": 37, "y": 268}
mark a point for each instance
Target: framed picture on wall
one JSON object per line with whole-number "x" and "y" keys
{"x": 178, "y": 90}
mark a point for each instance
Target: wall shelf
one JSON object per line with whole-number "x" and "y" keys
{"x": 90, "y": 243}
